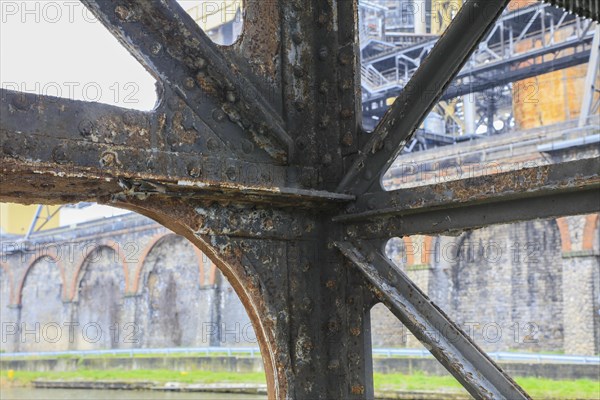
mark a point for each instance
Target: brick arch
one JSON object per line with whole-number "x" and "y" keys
{"x": 589, "y": 231}
{"x": 9, "y": 276}
{"x": 155, "y": 241}
{"x": 565, "y": 235}
{"x": 30, "y": 264}
{"x": 78, "y": 272}
{"x": 239, "y": 274}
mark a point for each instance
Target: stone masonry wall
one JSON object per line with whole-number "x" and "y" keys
{"x": 121, "y": 283}
{"x": 127, "y": 282}
{"x": 514, "y": 287}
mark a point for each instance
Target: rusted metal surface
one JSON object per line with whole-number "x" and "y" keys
{"x": 537, "y": 192}
{"x": 452, "y": 221}
{"x": 585, "y": 8}
{"x": 169, "y": 43}
{"x": 442, "y": 337}
{"x": 243, "y": 155}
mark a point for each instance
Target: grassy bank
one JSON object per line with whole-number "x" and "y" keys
{"x": 538, "y": 388}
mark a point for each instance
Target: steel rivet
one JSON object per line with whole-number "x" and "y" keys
{"x": 108, "y": 159}
{"x": 218, "y": 115}
{"x": 372, "y": 204}
{"x": 231, "y": 174}
{"x": 344, "y": 59}
{"x": 347, "y": 114}
{"x": 59, "y": 155}
{"x": 194, "y": 171}
{"x": 200, "y": 76}
{"x": 189, "y": 83}
{"x": 297, "y": 37}
{"x": 323, "y": 53}
{"x": 156, "y": 48}
{"x": 86, "y": 128}
{"x": 234, "y": 116}
{"x": 247, "y": 147}
{"x": 301, "y": 143}
{"x": 212, "y": 144}
{"x": 324, "y": 87}
{"x": 351, "y": 231}
{"x": 174, "y": 103}
{"x": 231, "y": 96}
{"x": 324, "y": 123}
{"x": 21, "y": 102}
{"x": 123, "y": 13}
{"x": 348, "y": 139}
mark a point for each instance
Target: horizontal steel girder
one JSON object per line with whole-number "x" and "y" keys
{"x": 548, "y": 191}
{"x": 46, "y": 141}
{"x": 443, "y": 338}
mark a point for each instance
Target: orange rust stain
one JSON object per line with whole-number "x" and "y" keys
{"x": 260, "y": 40}
{"x": 358, "y": 389}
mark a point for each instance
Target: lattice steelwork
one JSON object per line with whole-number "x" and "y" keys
{"x": 256, "y": 155}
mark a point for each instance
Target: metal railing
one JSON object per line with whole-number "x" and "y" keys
{"x": 517, "y": 35}
{"x": 255, "y": 351}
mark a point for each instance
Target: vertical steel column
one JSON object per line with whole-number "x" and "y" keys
{"x": 590, "y": 80}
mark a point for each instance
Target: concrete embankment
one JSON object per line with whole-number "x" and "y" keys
{"x": 557, "y": 371}
{"x": 228, "y": 388}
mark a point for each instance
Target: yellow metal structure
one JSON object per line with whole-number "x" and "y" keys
{"x": 15, "y": 219}
{"x": 442, "y": 13}
{"x": 448, "y": 110}
{"x": 213, "y": 14}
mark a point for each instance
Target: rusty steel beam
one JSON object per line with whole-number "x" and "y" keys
{"x": 310, "y": 313}
{"x": 456, "y": 220}
{"x": 548, "y": 191}
{"x": 242, "y": 156}
{"x": 420, "y": 95}
{"x": 42, "y": 135}
{"x": 452, "y": 347}
{"x": 584, "y": 8}
{"x": 165, "y": 39}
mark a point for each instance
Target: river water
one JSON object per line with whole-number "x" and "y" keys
{"x": 76, "y": 394}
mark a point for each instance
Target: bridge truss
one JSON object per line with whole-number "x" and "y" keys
{"x": 255, "y": 154}
{"x": 523, "y": 43}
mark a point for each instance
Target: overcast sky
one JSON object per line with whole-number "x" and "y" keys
{"x": 58, "y": 48}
